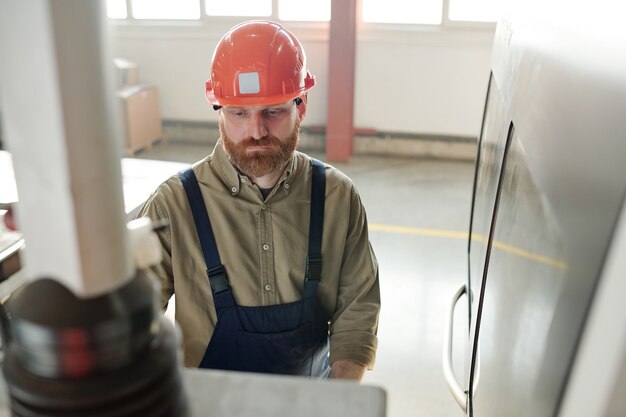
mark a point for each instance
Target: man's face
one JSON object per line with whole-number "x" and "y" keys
{"x": 260, "y": 140}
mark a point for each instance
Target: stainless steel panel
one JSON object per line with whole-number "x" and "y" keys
{"x": 522, "y": 289}
{"x": 488, "y": 163}
{"x": 235, "y": 394}
{"x": 562, "y": 69}
{"x": 489, "y": 159}
{"x": 597, "y": 382}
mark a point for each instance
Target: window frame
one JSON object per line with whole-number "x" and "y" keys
{"x": 446, "y": 24}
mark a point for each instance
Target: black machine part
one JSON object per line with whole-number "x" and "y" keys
{"x": 113, "y": 355}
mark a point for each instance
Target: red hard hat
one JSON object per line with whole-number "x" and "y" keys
{"x": 258, "y": 63}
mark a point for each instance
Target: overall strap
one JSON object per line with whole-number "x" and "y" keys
{"x": 215, "y": 269}
{"x": 316, "y": 226}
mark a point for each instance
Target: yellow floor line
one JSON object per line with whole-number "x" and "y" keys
{"x": 529, "y": 255}
{"x": 416, "y": 231}
{"x": 452, "y": 234}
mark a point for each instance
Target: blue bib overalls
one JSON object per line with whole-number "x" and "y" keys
{"x": 290, "y": 338}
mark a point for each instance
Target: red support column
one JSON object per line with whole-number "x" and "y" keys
{"x": 341, "y": 66}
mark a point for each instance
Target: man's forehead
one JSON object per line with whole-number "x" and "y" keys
{"x": 286, "y": 104}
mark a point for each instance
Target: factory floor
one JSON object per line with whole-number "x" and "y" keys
{"x": 418, "y": 213}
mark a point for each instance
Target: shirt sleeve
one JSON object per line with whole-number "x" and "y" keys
{"x": 355, "y": 321}
{"x": 156, "y": 211}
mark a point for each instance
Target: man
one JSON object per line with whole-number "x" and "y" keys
{"x": 267, "y": 249}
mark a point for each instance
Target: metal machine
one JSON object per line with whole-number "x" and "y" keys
{"x": 545, "y": 280}
{"x": 85, "y": 336}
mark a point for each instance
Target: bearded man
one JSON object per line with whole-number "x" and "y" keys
{"x": 265, "y": 248}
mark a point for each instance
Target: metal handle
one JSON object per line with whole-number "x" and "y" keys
{"x": 459, "y": 394}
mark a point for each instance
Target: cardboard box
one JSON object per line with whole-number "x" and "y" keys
{"x": 141, "y": 117}
{"x": 127, "y": 73}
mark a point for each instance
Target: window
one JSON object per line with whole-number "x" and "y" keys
{"x": 426, "y": 12}
{"x": 166, "y": 9}
{"x": 116, "y": 9}
{"x": 475, "y": 10}
{"x": 419, "y": 12}
{"x": 238, "y": 7}
{"x": 318, "y": 11}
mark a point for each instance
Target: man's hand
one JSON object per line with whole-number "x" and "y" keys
{"x": 345, "y": 369}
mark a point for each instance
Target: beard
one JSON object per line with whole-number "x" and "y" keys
{"x": 262, "y": 162}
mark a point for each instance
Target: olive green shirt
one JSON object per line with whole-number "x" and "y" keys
{"x": 263, "y": 247}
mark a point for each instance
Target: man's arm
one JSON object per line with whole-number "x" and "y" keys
{"x": 163, "y": 271}
{"x": 344, "y": 369}
{"x": 355, "y": 321}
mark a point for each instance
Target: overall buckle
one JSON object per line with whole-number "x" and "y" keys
{"x": 218, "y": 279}
{"x": 313, "y": 267}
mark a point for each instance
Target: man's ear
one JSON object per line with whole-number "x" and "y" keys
{"x": 301, "y": 110}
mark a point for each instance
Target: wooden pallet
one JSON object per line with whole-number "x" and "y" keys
{"x": 131, "y": 151}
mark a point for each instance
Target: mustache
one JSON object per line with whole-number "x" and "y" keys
{"x": 265, "y": 140}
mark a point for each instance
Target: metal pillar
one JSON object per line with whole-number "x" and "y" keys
{"x": 61, "y": 129}
{"x": 341, "y": 62}
{"x": 85, "y": 336}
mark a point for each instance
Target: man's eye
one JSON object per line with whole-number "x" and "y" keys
{"x": 274, "y": 112}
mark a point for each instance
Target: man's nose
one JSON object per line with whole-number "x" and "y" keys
{"x": 256, "y": 126}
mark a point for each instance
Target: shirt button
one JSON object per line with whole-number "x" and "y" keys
{"x": 266, "y": 247}
{"x": 263, "y": 206}
{"x": 243, "y": 180}
{"x": 286, "y": 186}
{"x": 268, "y": 287}
{"x": 233, "y": 190}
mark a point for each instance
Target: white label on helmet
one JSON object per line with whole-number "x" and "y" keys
{"x": 249, "y": 83}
